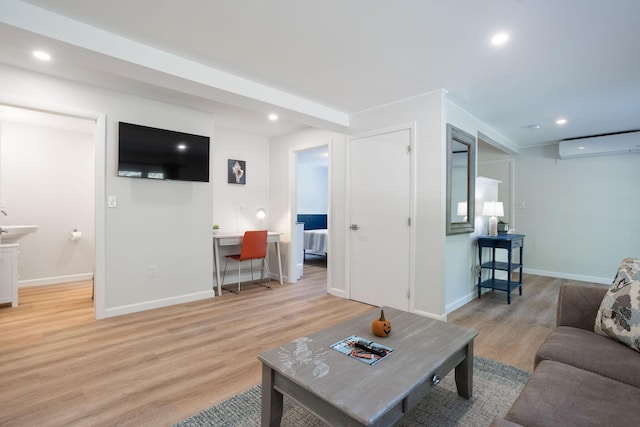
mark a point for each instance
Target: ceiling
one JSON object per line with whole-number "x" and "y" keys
{"x": 316, "y": 63}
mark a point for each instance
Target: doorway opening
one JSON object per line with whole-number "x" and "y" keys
{"x": 311, "y": 211}
{"x": 47, "y": 178}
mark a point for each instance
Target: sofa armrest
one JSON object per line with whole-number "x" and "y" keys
{"x": 578, "y": 305}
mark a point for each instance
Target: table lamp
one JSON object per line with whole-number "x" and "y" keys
{"x": 493, "y": 210}
{"x": 462, "y": 210}
{"x": 261, "y": 213}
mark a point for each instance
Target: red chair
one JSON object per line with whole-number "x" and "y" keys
{"x": 254, "y": 246}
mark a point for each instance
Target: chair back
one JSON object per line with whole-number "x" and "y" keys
{"x": 254, "y": 245}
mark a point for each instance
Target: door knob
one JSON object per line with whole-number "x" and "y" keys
{"x": 354, "y": 226}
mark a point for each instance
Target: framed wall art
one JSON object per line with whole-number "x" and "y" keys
{"x": 236, "y": 171}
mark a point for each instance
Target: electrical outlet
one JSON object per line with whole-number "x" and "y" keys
{"x": 153, "y": 271}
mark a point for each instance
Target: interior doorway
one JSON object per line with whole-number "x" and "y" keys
{"x": 498, "y": 164}
{"x": 47, "y": 178}
{"x": 311, "y": 209}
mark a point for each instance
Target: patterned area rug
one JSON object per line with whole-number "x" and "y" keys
{"x": 495, "y": 387}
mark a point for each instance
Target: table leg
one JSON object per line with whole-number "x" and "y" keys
{"x": 509, "y": 273}
{"x": 279, "y": 261}
{"x": 520, "y": 274}
{"x": 216, "y": 261}
{"x": 464, "y": 373}
{"x": 271, "y": 400}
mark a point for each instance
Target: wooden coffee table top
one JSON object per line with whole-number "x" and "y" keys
{"x": 356, "y": 388}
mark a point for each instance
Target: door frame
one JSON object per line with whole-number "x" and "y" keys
{"x": 411, "y": 127}
{"x": 293, "y": 206}
{"x": 99, "y": 146}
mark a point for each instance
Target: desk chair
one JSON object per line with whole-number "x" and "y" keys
{"x": 254, "y": 246}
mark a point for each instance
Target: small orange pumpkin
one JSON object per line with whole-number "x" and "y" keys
{"x": 381, "y": 327}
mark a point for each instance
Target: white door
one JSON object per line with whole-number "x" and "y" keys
{"x": 380, "y": 208}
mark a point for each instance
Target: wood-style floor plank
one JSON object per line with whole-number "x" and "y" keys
{"x": 512, "y": 333}
{"x": 60, "y": 367}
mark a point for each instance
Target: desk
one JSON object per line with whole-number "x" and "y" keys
{"x": 235, "y": 239}
{"x": 501, "y": 241}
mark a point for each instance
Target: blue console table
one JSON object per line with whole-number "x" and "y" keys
{"x": 501, "y": 241}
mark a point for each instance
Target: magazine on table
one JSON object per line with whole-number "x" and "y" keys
{"x": 362, "y": 349}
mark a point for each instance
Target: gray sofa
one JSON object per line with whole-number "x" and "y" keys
{"x": 580, "y": 378}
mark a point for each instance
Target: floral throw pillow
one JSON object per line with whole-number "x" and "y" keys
{"x": 619, "y": 314}
{"x": 628, "y": 271}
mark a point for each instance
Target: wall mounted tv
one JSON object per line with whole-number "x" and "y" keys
{"x": 146, "y": 152}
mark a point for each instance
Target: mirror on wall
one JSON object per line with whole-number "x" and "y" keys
{"x": 461, "y": 180}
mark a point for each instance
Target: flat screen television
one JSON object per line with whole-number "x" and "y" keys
{"x": 147, "y": 152}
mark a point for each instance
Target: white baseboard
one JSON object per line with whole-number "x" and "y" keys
{"x": 460, "y": 302}
{"x": 473, "y": 295}
{"x": 245, "y": 276}
{"x": 165, "y": 302}
{"x": 578, "y": 277}
{"x": 338, "y": 292}
{"x": 431, "y": 315}
{"x": 55, "y": 280}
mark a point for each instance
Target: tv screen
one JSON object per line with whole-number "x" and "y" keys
{"x": 146, "y": 152}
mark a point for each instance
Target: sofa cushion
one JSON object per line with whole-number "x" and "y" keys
{"x": 592, "y": 352}
{"x": 619, "y": 314}
{"x": 562, "y": 395}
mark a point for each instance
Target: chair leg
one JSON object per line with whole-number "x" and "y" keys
{"x": 224, "y": 273}
{"x": 265, "y": 267}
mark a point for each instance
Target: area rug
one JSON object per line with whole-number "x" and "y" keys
{"x": 495, "y": 387}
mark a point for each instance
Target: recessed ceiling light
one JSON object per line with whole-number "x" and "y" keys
{"x": 536, "y": 126}
{"x": 499, "y": 38}
{"x": 42, "y": 55}
{"x": 273, "y": 117}
{"x": 561, "y": 121}
{"x": 182, "y": 146}
{"x": 580, "y": 148}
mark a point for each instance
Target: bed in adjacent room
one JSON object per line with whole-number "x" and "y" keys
{"x": 315, "y": 233}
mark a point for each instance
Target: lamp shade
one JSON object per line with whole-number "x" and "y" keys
{"x": 492, "y": 209}
{"x": 462, "y": 208}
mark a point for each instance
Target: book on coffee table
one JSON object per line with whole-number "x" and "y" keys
{"x": 362, "y": 349}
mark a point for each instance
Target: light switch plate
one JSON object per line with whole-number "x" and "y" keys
{"x": 111, "y": 201}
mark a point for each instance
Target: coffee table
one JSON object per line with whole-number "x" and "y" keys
{"x": 344, "y": 391}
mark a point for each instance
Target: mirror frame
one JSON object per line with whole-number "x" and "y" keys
{"x": 455, "y": 134}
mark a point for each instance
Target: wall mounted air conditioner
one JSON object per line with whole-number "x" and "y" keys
{"x": 619, "y": 143}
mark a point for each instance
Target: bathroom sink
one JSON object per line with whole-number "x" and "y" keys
{"x": 13, "y": 233}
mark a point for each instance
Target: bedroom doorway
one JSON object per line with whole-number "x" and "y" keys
{"x": 311, "y": 210}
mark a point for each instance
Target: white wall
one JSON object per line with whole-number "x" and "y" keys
{"x": 166, "y": 224}
{"x": 47, "y": 179}
{"x": 235, "y": 205}
{"x": 459, "y": 279}
{"x": 581, "y": 215}
{"x": 312, "y": 189}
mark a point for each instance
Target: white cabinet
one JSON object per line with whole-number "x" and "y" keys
{"x": 9, "y": 274}
{"x": 300, "y": 249}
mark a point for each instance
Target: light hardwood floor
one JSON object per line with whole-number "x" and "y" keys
{"x": 60, "y": 367}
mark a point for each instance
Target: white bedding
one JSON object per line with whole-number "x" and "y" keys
{"x": 315, "y": 240}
